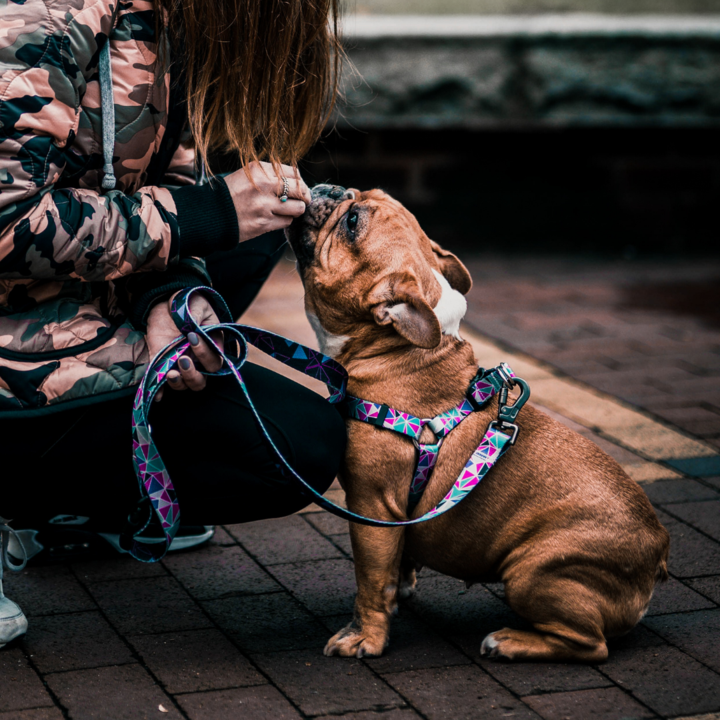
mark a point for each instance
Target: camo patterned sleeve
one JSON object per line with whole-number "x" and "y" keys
{"x": 181, "y": 170}
{"x": 48, "y": 59}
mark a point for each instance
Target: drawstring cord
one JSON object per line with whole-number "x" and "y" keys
{"x": 5, "y": 532}
{"x": 108, "y": 117}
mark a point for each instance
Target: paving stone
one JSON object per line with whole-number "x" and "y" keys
{"x": 322, "y": 685}
{"x": 695, "y": 420}
{"x": 414, "y": 646}
{"x": 75, "y": 641}
{"x": 714, "y": 481}
{"x": 458, "y": 692}
{"x": 705, "y": 516}
{"x": 283, "y": 540}
{"x": 682, "y": 490}
{"x": 265, "y": 623}
{"x": 394, "y": 714}
{"x": 464, "y": 616}
{"x": 636, "y": 642}
{"x": 666, "y": 680}
{"x": 126, "y": 692}
{"x": 328, "y": 524}
{"x": 709, "y": 586}
{"x": 123, "y": 567}
{"x": 696, "y": 633}
{"x": 253, "y": 703}
{"x": 533, "y": 678}
{"x": 221, "y": 537}
{"x": 697, "y": 467}
{"x": 49, "y": 713}
{"x": 325, "y": 587}
{"x": 47, "y": 590}
{"x": 609, "y": 703}
{"x": 196, "y": 660}
{"x": 672, "y": 596}
{"x": 691, "y": 554}
{"x": 343, "y": 542}
{"x": 215, "y": 572}
{"x": 20, "y": 686}
{"x": 152, "y": 605}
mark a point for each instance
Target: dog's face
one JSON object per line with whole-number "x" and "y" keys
{"x": 371, "y": 273}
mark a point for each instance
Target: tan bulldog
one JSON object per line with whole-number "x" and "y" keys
{"x": 575, "y": 541}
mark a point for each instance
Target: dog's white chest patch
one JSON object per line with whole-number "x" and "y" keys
{"x": 330, "y": 344}
{"x": 451, "y": 308}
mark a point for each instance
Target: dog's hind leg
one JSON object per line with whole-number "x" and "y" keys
{"x": 408, "y": 577}
{"x": 569, "y": 620}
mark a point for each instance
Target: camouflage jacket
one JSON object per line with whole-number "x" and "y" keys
{"x": 74, "y": 261}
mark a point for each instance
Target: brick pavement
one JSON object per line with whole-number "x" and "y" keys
{"x": 236, "y": 629}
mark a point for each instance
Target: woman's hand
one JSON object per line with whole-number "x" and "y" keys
{"x": 259, "y": 209}
{"x": 161, "y": 330}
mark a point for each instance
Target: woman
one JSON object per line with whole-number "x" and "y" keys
{"x": 101, "y": 222}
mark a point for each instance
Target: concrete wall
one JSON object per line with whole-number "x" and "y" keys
{"x": 505, "y": 72}
{"x": 502, "y": 7}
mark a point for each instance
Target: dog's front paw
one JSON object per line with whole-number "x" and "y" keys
{"x": 353, "y": 642}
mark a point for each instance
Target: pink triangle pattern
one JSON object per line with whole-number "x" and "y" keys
{"x": 427, "y": 458}
{"x": 403, "y": 423}
{"x": 363, "y": 410}
{"x": 489, "y": 451}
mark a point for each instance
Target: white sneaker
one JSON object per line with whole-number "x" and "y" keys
{"x": 13, "y": 622}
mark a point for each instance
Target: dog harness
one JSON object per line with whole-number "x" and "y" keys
{"x": 159, "y": 499}
{"x": 484, "y": 386}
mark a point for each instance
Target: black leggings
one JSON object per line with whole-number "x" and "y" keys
{"x": 79, "y": 461}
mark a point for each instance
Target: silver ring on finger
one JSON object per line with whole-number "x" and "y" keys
{"x": 285, "y": 190}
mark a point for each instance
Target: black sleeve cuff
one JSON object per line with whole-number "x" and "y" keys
{"x": 188, "y": 274}
{"x": 207, "y": 219}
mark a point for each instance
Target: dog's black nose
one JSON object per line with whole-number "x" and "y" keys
{"x": 331, "y": 192}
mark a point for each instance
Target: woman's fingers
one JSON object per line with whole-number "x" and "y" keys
{"x": 206, "y": 356}
{"x": 175, "y": 380}
{"x": 296, "y": 187}
{"x": 191, "y": 376}
{"x": 294, "y": 208}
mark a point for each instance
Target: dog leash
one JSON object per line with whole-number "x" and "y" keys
{"x": 159, "y": 496}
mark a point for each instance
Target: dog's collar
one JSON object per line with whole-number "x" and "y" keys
{"x": 483, "y": 387}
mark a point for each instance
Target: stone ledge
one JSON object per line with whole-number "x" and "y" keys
{"x": 510, "y": 26}
{"x": 508, "y": 71}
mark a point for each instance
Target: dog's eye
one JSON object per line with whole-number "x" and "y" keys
{"x": 352, "y": 221}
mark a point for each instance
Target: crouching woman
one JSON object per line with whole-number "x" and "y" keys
{"x": 107, "y": 110}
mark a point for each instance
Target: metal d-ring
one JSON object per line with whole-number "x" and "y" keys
{"x": 507, "y": 414}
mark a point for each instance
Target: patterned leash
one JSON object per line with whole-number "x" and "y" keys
{"x": 155, "y": 484}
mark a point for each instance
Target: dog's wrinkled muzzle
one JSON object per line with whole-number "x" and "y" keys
{"x": 303, "y": 231}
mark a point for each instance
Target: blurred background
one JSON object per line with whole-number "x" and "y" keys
{"x": 584, "y": 126}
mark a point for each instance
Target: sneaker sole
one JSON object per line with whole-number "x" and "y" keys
{"x": 22, "y": 629}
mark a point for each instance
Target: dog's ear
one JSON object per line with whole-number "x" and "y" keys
{"x": 454, "y": 271}
{"x": 398, "y": 301}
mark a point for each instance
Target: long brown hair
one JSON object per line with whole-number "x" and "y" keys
{"x": 261, "y": 75}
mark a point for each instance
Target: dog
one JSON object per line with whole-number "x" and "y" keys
{"x": 574, "y": 540}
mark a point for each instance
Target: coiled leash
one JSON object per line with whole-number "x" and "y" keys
{"x": 159, "y": 497}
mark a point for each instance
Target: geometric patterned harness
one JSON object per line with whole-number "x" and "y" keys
{"x": 484, "y": 386}
{"x": 159, "y": 501}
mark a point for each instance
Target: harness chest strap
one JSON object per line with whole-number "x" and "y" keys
{"x": 484, "y": 386}
{"x": 159, "y": 496}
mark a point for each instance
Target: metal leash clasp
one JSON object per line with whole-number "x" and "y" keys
{"x": 507, "y": 414}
